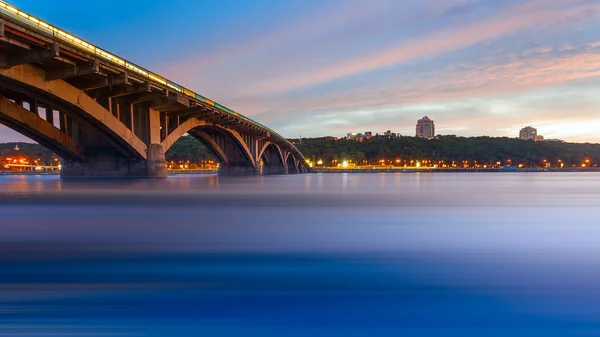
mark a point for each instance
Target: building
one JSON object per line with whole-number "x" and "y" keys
{"x": 368, "y": 134}
{"x": 425, "y": 128}
{"x": 539, "y": 138}
{"x": 528, "y": 133}
{"x": 389, "y": 133}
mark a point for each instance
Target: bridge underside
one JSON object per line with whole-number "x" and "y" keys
{"x": 107, "y": 121}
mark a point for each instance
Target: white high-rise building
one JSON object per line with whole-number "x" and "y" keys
{"x": 425, "y": 128}
{"x": 528, "y": 133}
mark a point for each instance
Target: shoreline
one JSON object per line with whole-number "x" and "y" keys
{"x": 363, "y": 171}
{"x": 34, "y": 173}
{"x": 454, "y": 170}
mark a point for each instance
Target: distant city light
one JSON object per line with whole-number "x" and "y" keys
{"x": 345, "y": 163}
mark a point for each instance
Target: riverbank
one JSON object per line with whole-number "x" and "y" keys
{"x": 29, "y": 173}
{"x": 448, "y": 170}
{"x": 179, "y": 172}
{"x": 348, "y": 170}
{"x": 56, "y": 173}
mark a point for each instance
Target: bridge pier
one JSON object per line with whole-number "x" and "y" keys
{"x": 156, "y": 163}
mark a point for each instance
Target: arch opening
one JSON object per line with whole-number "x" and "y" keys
{"x": 272, "y": 160}
{"x": 189, "y": 153}
{"x": 233, "y": 155}
{"x": 292, "y": 165}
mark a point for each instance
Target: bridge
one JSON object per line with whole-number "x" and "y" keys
{"x": 107, "y": 117}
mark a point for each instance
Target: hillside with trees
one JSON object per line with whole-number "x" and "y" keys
{"x": 484, "y": 150}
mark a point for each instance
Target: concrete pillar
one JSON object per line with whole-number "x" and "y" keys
{"x": 62, "y": 121}
{"x": 126, "y": 111}
{"x": 50, "y": 115}
{"x": 156, "y": 163}
{"x": 154, "y": 126}
{"x": 33, "y": 107}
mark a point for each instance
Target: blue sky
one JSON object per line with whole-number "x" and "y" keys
{"x": 313, "y": 68}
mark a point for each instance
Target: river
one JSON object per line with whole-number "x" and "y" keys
{"x": 440, "y": 254}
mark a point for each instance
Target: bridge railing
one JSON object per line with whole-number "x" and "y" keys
{"x": 72, "y": 40}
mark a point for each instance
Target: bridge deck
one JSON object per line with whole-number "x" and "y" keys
{"x": 88, "y": 67}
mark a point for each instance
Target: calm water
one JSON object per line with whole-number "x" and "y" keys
{"x": 515, "y": 254}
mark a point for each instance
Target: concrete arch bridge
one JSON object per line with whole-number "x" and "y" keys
{"x": 105, "y": 116}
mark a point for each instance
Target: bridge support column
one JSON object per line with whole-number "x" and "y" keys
{"x": 156, "y": 162}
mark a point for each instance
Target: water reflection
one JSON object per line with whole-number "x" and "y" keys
{"x": 353, "y": 254}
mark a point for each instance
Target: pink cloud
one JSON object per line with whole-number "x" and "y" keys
{"x": 477, "y": 82}
{"x": 238, "y": 64}
{"x": 511, "y": 20}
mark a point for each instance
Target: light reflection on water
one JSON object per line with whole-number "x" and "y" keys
{"x": 325, "y": 254}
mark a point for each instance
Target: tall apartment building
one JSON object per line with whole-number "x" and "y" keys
{"x": 528, "y": 133}
{"x": 425, "y": 128}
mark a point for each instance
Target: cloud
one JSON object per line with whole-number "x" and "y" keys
{"x": 479, "y": 80}
{"x": 479, "y": 99}
{"x": 509, "y": 21}
{"x": 301, "y": 44}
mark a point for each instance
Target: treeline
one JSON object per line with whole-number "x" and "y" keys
{"x": 28, "y": 150}
{"x": 185, "y": 149}
{"x": 484, "y": 150}
{"x": 189, "y": 149}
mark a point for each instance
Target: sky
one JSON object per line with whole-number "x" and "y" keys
{"x": 325, "y": 68}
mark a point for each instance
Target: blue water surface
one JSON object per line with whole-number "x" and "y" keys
{"x": 498, "y": 254}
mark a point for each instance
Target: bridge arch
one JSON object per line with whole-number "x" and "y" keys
{"x": 115, "y": 118}
{"x": 31, "y": 125}
{"x": 31, "y": 82}
{"x": 292, "y": 165}
{"x": 272, "y": 159}
{"x": 181, "y": 130}
{"x": 228, "y": 146}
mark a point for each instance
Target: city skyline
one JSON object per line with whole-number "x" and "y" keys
{"x": 323, "y": 70}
